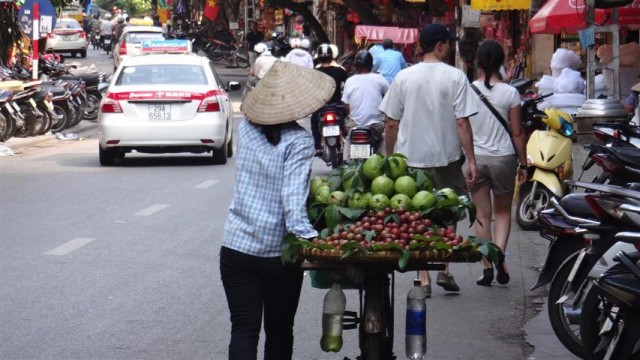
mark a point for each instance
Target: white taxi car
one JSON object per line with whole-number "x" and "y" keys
{"x": 68, "y": 37}
{"x": 131, "y": 39}
{"x": 161, "y": 102}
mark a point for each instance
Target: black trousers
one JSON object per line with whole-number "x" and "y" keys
{"x": 252, "y": 284}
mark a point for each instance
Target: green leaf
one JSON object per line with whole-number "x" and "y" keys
{"x": 420, "y": 237}
{"x": 392, "y": 217}
{"x": 369, "y": 235}
{"x": 290, "y": 249}
{"x": 352, "y": 214}
{"x": 348, "y": 253}
{"x": 420, "y": 177}
{"x": 404, "y": 259}
{"x": 325, "y": 246}
{"x": 332, "y": 216}
{"x": 393, "y": 247}
{"x": 324, "y": 233}
{"x": 377, "y": 247}
{"x": 335, "y": 182}
{"x": 441, "y": 246}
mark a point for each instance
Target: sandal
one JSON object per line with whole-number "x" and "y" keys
{"x": 487, "y": 277}
{"x": 503, "y": 276}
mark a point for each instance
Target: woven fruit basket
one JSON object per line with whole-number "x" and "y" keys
{"x": 389, "y": 257}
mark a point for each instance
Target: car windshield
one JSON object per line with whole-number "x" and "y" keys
{"x": 137, "y": 37}
{"x": 68, "y": 25}
{"x": 165, "y": 74}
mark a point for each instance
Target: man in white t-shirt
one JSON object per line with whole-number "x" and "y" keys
{"x": 427, "y": 113}
{"x": 362, "y": 95}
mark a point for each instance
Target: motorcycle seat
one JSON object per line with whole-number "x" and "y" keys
{"x": 628, "y": 154}
{"x": 56, "y": 91}
{"x": 5, "y": 95}
{"x": 576, "y": 204}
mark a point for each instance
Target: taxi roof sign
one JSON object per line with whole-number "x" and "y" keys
{"x": 165, "y": 46}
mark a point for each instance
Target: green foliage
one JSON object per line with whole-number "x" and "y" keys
{"x": 133, "y": 7}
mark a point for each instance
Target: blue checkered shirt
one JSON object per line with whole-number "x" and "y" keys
{"x": 272, "y": 183}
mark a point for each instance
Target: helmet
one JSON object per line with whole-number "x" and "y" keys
{"x": 120, "y": 20}
{"x": 325, "y": 52}
{"x": 107, "y": 16}
{"x": 305, "y": 43}
{"x": 294, "y": 42}
{"x": 364, "y": 59}
{"x": 335, "y": 51}
{"x": 260, "y": 48}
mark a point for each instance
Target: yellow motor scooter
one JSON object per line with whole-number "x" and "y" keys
{"x": 549, "y": 161}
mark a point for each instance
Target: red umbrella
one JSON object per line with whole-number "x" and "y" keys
{"x": 568, "y": 16}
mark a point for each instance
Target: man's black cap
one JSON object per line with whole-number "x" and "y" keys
{"x": 435, "y": 33}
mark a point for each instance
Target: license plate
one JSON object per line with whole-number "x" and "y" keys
{"x": 159, "y": 112}
{"x": 576, "y": 266}
{"x": 70, "y": 37}
{"x": 360, "y": 151}
{"x": 33, "y": 103}
{"x": 331, "y": 130}
{"x": 8, "y": 107}
{"x": 107, "y": 41}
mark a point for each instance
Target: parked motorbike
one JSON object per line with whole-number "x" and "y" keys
{"x": 549, "y": 158}
{"x": 12, "y": 118}
{"x": 224, "y": 44}
{"x": 593, "y": 217}
{"x": 620, "y": 165}
{"x": 610, "y": 317}
{"x": 618, "y": 134}
{"x": 331, "y": 124}
{"x": 95, "y": 39}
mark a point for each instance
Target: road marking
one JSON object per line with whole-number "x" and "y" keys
{"x": 151, "y": 210}
{"x": 207, "y": 184}
{"x": 70, "y": 246}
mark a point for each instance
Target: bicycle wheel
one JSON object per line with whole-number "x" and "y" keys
{"x": 376, "y": 324}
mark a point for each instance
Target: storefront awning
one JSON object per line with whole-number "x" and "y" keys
{"x": 558, "y": 16}
{"x": 378, "y": 33}
{"x": 500, "y": 5}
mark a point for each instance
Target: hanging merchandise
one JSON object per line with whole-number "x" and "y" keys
{"x": 333, "y": 308}
{"x": 9, "y": 29}
{"x": 416, "y": 327}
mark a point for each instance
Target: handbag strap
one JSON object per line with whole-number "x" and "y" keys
{"x": 495, "y": 112}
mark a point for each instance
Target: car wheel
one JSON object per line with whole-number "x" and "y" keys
{"x": 219, "y": 156}
{"x": 106, "y": 156}
{"x": 230, "y": 148}
{"x": 83, "y": 53}
{"x": 73, "y": 54}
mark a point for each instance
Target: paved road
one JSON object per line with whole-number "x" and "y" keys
{"x": 121, "y": 263}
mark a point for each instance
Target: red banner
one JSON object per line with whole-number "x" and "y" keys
{"x": 211, "y": 9}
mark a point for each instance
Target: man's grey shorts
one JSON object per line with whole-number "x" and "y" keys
{"x": 499, "y": 172}
{"x": 449, "y": 176}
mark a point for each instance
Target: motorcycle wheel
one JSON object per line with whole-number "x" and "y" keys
{"x": 527, "y": 213}
{"x": 93, "y": 105}
{"x": 47, "y": 122}
{"x": 590, "y": 323}
{"x": 77, "y": 117}
{"x": 214, "y": 54}
{"x": 7, "y": 127}
{"x": 31, "y": 123}
{"x": 242, "y": 61}
{"x": 567, "y": 333}
{"x": 334, "y": 157}
{"x": 63, "y": 118}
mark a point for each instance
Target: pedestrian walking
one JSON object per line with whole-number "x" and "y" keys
{"x": 499, "y": 147}
{"x": 362, "y": 95}
{"x": 427, "y": 112}
{"x": 254, "y": 37}
{"x": 389, "y": 62}
{"x": 272, "y": 184}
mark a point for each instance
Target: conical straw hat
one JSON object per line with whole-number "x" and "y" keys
{"x": 287, "y": 92}
{"x": 636, "y": 87}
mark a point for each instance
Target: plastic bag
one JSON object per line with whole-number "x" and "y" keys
{"x": 569, "y": 81}
{"x": 562, "y": 59}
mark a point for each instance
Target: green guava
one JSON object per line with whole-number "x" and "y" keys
{"x": 372, "y": 168}
{"x": 423, "y": 200}
{"x": 447, "y": 197}
{"x": 406, "y": 185}
{"x": 382, "y": 185}
{"x": 359, "y": 200}
{"x": 379, "y": 202}
{"x": 322, "y": 194}
{"x": 316, "y": 183}
{"x": 401, "y": 201}
{"x": 337, "y": 198}
{"x": 397, "y": 166}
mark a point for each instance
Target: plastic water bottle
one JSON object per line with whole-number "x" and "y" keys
{"x": 332, "y": 313}
{"x": 416, "y": 329}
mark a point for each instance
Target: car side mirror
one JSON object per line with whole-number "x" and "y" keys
{"x": 234, "y": 85}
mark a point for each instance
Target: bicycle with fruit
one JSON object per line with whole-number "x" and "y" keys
{"x": 376, "y": 217}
